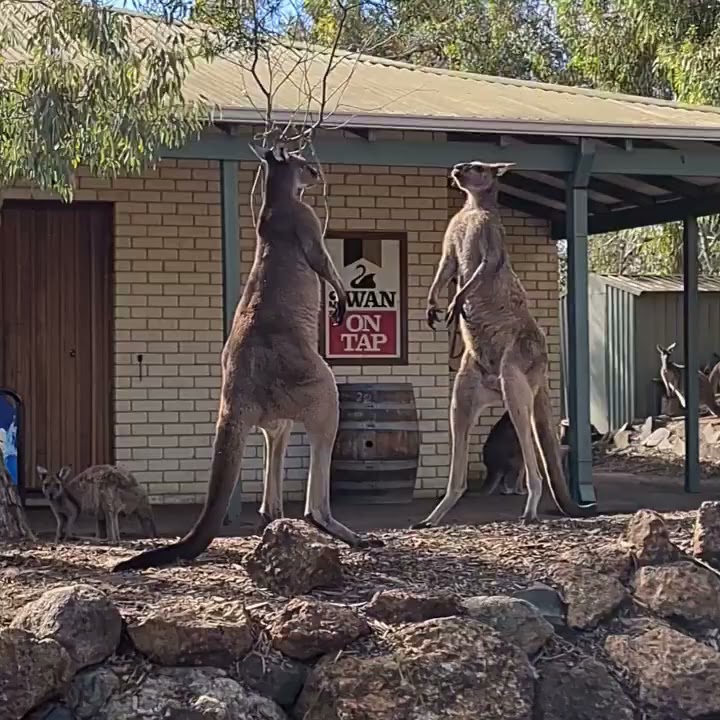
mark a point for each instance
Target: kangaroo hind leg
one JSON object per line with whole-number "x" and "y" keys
{"x": 469, "y": 398}
{"x": 320, "y": 418}
{"x": 277, "y": 435}
{"x": 519, "y": 399}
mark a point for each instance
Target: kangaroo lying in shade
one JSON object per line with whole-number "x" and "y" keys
{"x": 272, "y": 372}
{"x": 505, "y": 357}
{"x": 673, "y": 377}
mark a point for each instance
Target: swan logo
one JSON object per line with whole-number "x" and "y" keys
{"x": 370, "y": 268}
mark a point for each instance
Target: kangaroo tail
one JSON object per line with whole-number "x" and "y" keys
{"x": 492, "y": 481}
{"x": 227, "y": 457}
{"x": 550, "y": 453}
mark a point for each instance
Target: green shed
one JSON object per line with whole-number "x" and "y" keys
{"x": 628, "y": 317}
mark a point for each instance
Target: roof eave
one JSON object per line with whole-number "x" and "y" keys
{"x": 251, "y": 116}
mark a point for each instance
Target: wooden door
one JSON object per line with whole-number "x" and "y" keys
{"x": 56, "y": 321}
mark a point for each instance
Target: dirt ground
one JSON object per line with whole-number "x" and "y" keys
{"x": 497, "y": 557}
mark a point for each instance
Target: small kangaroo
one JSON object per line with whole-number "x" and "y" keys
{"x": 272, "y": 371}
{"x": 673, "y": 377}
{"x": 503, "y": 459}
{"x": 103, "y": 490}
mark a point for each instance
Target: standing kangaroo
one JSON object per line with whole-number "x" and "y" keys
{"x": 505, "y": 357}
{"x": 272, "y": 372}
{"x": 673, "y": 377}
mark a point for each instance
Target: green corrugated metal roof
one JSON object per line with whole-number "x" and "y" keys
{"x": 369, "y": 90}
{"x": 639, "y": 284}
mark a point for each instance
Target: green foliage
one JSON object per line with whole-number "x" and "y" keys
{"x": 79, "y": 87}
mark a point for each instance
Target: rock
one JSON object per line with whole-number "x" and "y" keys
{"x": 191, "y": 694}
{"x": 621, "y": 439}
{"x": 581, "y": 691}
{"x": 31, "y": 671}
{"x": 400, "y": 606}
{"x": 90, "y": 690}
{"x": 656, "y": 437}
{"x": 647, "y": 428}
{"x": 706, "y": 538}
{"x": 682, "y": 591}
{"x": 305, "y": 629}
{"x": 516, "y": 621}
{"x": 649, "y": 539}
{"x": 191, "y": 641}
{"x": 610, "y": 558}
{"x": 443, "y": 668}
{"x": 673, "y": 672}
{"x": 293, "y": 558}
{"x": 80, "y": 617}
{"x": 547, "y": 600}
{"x": 590, "y": 597}
{"x": 274, "y": 676}
{"x": 711, "y": 433}
{"x": 678, "y": 445}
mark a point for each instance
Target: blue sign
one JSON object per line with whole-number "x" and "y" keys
{"x": 8, "y": 434}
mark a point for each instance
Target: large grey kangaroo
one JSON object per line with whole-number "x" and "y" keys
{"x": 505, "y": 357}
{"x": 272, "y": 372}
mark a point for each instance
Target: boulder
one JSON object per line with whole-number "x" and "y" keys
{"x": 681, "y": 591}
{"x": 90, "y": 690}
{"x": 672, "y": 672}
{"x": 294, "y": 558}
{"x": 450, "y": 667}
{"x": 516, "y": 621}
{"x": 31, "y": 671}
{"x": 274, "y": 676}
{"x": 706, "y": 537}
{"x": 649, "y": 539}
{"x": 80, "y": 617}
{"x": 190, "y": 694}
{"x": 590, "y": 596}
{"x": 547, "y": 600}
{"x": 305, "y": 629}
{"x": 569, "y": 690}
{"x": 400, "y": 606}
{"x": 191, "y": 641}
{"x": 656, "y": 437}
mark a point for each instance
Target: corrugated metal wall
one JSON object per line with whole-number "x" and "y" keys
{"x": 624, "y": 330}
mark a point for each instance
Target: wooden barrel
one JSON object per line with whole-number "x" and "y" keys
{"x": 375, "y": 458}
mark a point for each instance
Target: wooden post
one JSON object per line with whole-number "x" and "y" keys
{"x": 580, "y": 461}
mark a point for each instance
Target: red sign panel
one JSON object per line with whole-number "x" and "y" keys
{"x": 371, "y": 269}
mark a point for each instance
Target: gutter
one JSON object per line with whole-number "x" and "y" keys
{"x": 244, "y": 116}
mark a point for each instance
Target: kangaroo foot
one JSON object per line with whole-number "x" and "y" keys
{"x": 420, "y": 525}
{"x": 340, "y": 532}
{"x": 529, "y": 520}
{"x": 264, "y": 521}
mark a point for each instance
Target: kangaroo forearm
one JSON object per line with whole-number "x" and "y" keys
{"x": 444, "y": 274}
{"x": 473, "y": 280}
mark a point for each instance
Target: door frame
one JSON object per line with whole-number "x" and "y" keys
{"x": 32, "y": 496}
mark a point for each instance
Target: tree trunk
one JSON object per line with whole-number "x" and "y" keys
{"x": 13, "y": 523}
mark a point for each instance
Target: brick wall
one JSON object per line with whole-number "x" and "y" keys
{"x": 168, "y": 307}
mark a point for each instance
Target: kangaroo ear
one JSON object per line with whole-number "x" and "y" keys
{"x": 41, "y": 471}
{"x": 660, "y": 349}
{"x": 64, "y": 472}
{"x": 671, "y": 347}
{"x": 257, "y": 151}
{"x": 502, "y": 168}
